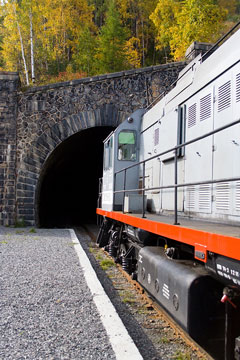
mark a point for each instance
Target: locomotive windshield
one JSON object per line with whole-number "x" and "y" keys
{"x": 127, "y": 145}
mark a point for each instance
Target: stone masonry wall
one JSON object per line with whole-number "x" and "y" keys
{"x": 43, "y": 117}
{"x": 92, "y": 99}
{"x": 8, "y": 115}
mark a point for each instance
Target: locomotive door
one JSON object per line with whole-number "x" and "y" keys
{"x": 150, "y": 147}
{"x": 107, "y": 185}
{"x": 227, "y": 144}
{"x": 169, "y": 129}
{"x": 156, "y": 169}
{"x": 198, "y": 155}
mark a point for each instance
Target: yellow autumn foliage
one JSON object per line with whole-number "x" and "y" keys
{"x": 179, "y": 23}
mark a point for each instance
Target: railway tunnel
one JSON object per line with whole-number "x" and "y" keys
{"x": 68, "y": 185}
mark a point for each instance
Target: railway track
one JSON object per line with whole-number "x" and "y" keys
{"x": 168, "y": 338}
{"x": 179, "y": 332}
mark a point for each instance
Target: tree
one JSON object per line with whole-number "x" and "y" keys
{"x": 135, "y": 16}
{"x": 179, "y": 23}
{"x": 164, "y": 18}
{"x": 52, "y": 39}
{"x": 99, "y": 11}
{"x": 229, "y": 5}
{"x": 13, "y": 46}
{"x": 1, "y": 40}
{"x": 42, "y": 35}
{"x": 84, "y": 56}
{"x": 110, "y": 52}
{"x": 132, "y": 52}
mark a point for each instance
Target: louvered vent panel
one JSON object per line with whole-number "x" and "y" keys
{"x": 222, "y": 196}
{"x": 237, "y": 87}
{"x": 190, "y": 197}
{"x": 192, "y": 115}
{"x": 205, "y": 197}
{"x": 205, "y": 107}
{"x": 238, "y": 195}
{"x": 224, "y": 96}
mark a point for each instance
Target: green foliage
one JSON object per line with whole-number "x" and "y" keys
{"x": 182, "y": 356}
{"x": 84, "y": 57}
{"x": 100, "y": 7}
{"x": 78, "y": 38}
{"x": 106, "y": 264}
{"x": 20, "y": 223}
{"x": 135, "y": 16}
{"x": 164, "y": 340}
{"x": 112, "y": 37}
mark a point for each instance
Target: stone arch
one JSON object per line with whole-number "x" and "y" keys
{"x": 31, "y": 166}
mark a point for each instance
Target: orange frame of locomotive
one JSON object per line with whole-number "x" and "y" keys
{"x": 202, "y": 241}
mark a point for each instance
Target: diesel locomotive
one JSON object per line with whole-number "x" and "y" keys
{"x": 170, "y": 198}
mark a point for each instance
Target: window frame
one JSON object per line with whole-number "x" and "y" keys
{"x": 108, "y": 154}
{"x": 134, "y": 150}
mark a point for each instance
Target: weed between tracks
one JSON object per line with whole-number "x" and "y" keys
{"x": 167, "y": 343}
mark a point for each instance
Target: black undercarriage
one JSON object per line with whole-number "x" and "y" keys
{"x": 196, "y": 296}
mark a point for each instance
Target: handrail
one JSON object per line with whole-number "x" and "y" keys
{"x": 175, "y": 185}
{"x": 177, "y": 147}
{"x": 181, "y": 185}
{"x": 221, "y": 40}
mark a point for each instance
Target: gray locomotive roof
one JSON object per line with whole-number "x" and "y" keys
{"x": 195, "y": 76}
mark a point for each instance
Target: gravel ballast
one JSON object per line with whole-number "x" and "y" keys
{"x": 47, "y": 310}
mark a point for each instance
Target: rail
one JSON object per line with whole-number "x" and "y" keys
{"x": 175, "y": 186}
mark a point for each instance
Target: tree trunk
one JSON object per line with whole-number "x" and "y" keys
{"x": 143, "y": 44}
{"x": 22, "y": 49}
{"x": 32, "y": 48}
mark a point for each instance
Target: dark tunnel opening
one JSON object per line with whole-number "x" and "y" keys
{"x": 68, "y": 186}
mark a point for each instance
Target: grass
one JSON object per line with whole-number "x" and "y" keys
{"x": 143, "y": 311}
{"x": 128, "y": 300}
{"x": 164, "y": 340}
{"x": 99, "y": 257}
{"x": 20, "y": 223}
{"x": 19, "y": 231}
{"x": 33, "y": 231}
{"x": 106, "y": 264}
{"x": 181, "y": 356}
{"x": 3, "y": 242}
{"x": 127, "y": 297}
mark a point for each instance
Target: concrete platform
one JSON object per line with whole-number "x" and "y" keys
{"x": 52, "y": 303}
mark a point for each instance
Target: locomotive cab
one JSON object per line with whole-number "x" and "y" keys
{"x": 121, "y": 150}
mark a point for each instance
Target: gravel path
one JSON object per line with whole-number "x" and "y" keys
{"x": 46, "y": 309}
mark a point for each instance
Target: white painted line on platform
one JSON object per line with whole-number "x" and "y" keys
{"x": 120, "y": 340}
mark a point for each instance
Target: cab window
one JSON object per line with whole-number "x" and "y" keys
{"x": 108, "y": 149}
{"x": 127, "y": 145}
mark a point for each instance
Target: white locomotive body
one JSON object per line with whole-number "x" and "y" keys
{"x": 170, "y": 198}
{"x": 206, "y": 97}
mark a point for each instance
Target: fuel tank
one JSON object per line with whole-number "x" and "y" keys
{"x": 187, "y": 292}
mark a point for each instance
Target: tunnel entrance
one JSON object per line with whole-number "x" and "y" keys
{"x": 68, "y": 185}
